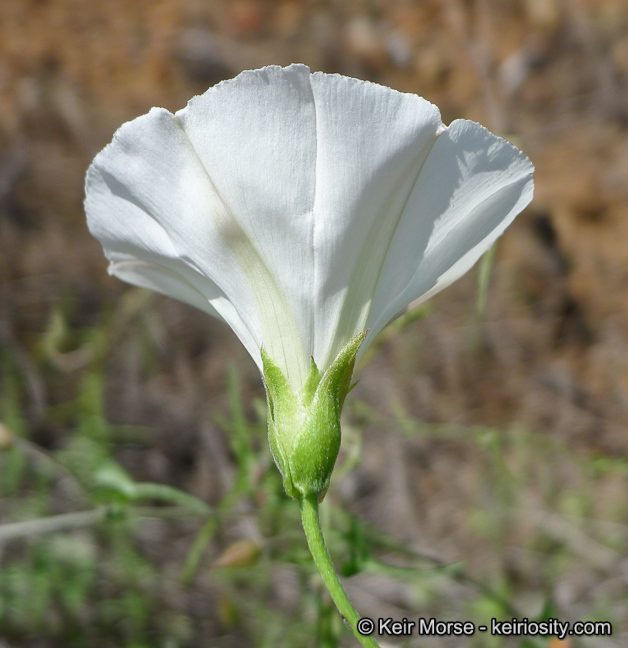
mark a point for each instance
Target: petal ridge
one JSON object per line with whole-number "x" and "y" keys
{"x": 271, "y": 304}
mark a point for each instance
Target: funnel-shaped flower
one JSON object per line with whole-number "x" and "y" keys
{"x": 302, "y": 209}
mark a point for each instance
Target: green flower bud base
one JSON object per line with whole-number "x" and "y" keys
{"x": 304, "y": 436}
{"x": 304, "y": 428}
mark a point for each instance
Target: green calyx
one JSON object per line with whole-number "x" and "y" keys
{"x": 304, "y": 428}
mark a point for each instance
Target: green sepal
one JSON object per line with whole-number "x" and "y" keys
{"x": 312, "y": 382}
{"x": 340, "y": 373}
{"x": 304, "y": 428}
{"x": 282, "y": 406}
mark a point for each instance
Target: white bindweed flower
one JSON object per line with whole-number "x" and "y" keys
{"x": 302, "y": 209}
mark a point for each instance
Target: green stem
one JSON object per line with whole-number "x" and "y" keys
{"x": 322, "y": 559}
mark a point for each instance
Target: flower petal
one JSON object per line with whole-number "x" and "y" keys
{"x": 470, "y": 189}
{"x": 162, "y": 280}
{"x": 256, "y": 137}
{"x": 371, "y": 145}
{"x": 316, "y": 167}
{"x": 151, "y": 195}
{"x": 149, "y": 203}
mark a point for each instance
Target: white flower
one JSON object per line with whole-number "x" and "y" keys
{"x": 302, "y": 209}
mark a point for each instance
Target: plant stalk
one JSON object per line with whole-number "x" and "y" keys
{"x": 322, "y": 559}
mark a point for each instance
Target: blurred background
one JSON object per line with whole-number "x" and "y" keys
{"x": 484, "y": 469}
